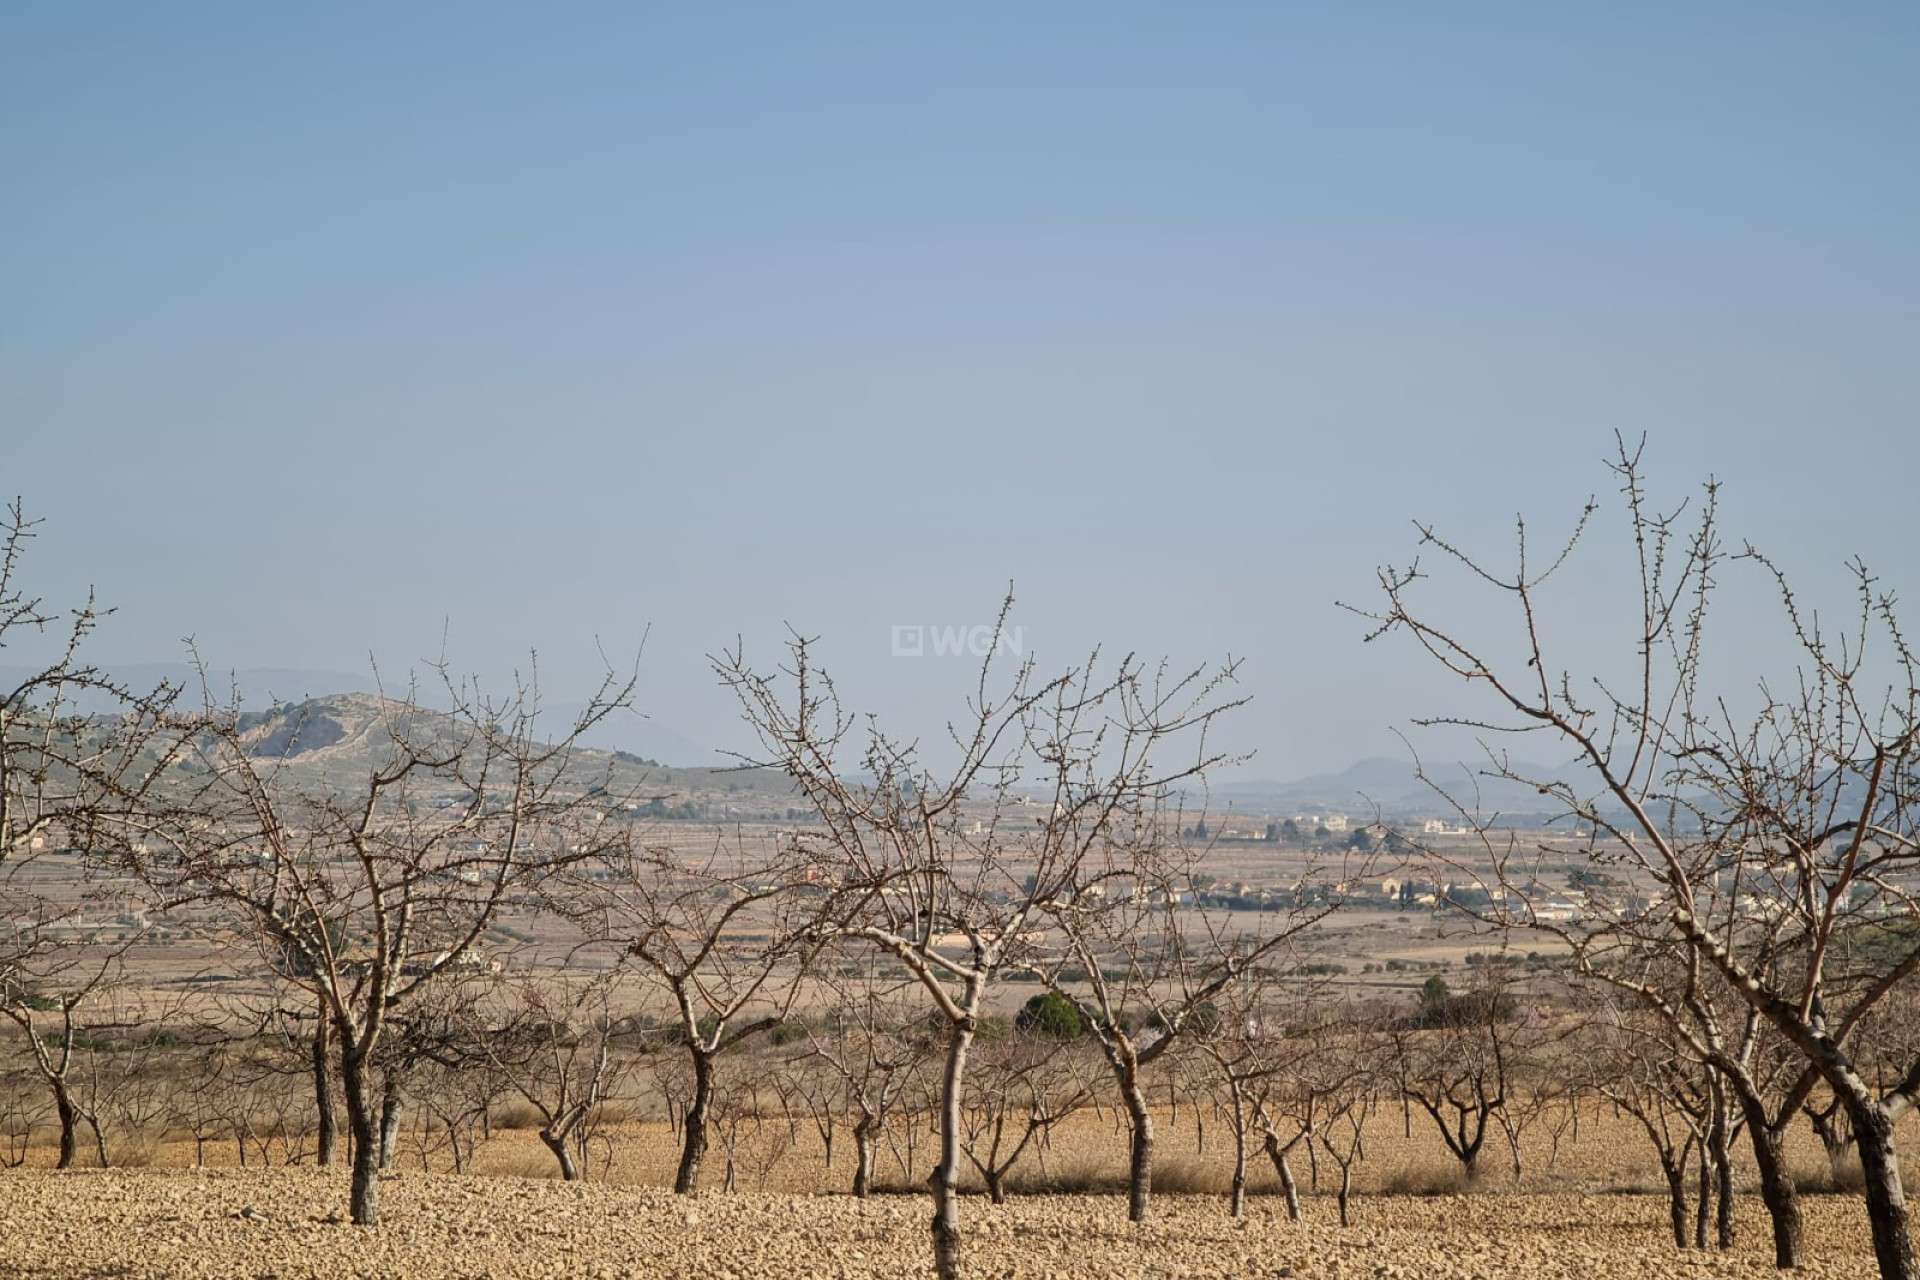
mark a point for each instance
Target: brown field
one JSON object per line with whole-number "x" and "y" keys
{"x": 1581, "y": 1211}
{"x": 285, "y": 1225}
{"x": 1589, "y": 1202}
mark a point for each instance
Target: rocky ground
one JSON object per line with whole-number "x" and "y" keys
{"x": 286, "y": 1224}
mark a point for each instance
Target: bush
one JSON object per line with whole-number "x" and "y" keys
{"x": 1052, "y": 1015}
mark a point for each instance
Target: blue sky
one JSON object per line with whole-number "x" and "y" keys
{"x": 329, "y": 330}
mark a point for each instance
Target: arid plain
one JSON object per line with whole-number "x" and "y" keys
{"x": 1588, "y": 1206}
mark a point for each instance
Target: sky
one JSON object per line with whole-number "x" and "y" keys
{"x": 352, "y": 334}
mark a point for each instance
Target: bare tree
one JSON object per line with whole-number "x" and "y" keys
{"x": 456, "y": 1095}
{"x": 1344, "y": 1137}
{"x": 435, "y": 1056}
{"x": 717, "y": 936}
{"x": 1291, "y": 1073}
{"x": 1239, "y": 1067}
{"x": 79, "y": 749}
{"x": 1680, "y": 1106}
{"x": 61, "y": 997}
{"x": 1455, "y": 1060}
{"x": 79, "y": 752}
{"x": 554, "y": 1042}
{"x": 1144, "y": 962}
{"x": 873, "y": 1056}
{"x": 1777, "y": 828}
{"x": 1021, "y": 1084}
{"x": 379, "y": 887}
{"x": 946, "y": 869}
{"x": 24, "y": 1111}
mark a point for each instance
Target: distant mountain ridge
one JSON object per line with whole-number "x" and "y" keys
{"x": 330, "y": 714}
{"x": 1395, "y": 789}
{"x": 259, "y": 689}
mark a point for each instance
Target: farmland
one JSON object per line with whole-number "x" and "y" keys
{"x": 1582, "y": 1219}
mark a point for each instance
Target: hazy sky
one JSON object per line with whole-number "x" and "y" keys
{"x": 327, "y": 328}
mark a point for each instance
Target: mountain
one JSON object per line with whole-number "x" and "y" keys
{"x": 335, "y": 741}
{"x": 1395, "y": 790}
{"x": 262, "y": 688}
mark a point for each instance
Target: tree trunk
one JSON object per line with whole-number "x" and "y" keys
{"x": 1277, "y": 1154}
{"x": 945, "y": 1182}
{"x": 1723, "y": 1200}
{"x": 69, "y": 1125}
{"x": 563, "y": 1152}
{"x": 694, "y": 1139}
{"x": 1140, "y": 1162}
{"x": 363, "y": 1124}
{"x": 1776, "y": 1192}
{"x": 1720, "y": 1156}
{"x": 863, "y": 1158}
{"x": 1886, "y": 1198}
{"x": 1346, "y": 1192}
{"x": 1676, "y": 1172}
{"x": 1238, "y": 1205}
{"x": 392, "y": 1104}
{"x": 328, "y": 1127}
{"x": 1703, "y": 1203}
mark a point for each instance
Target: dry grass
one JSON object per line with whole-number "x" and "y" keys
{"x": 514, "y": 1114}
{"x": 1085, "y": 1155}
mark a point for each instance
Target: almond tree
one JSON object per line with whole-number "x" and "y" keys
{"x": 1290, "y": 1071}
{"x": 717, "y": 936}
{"x": 1238, "y": 1066}
{"x": 79, "y": 749}
{"x": 1020, "y": 1085}
{"x": 60, "y": 996}
{"x": 79, "y": 752}
{"x": 1681, "y": 1106}
{"x": 874, "y": 1058}
{"x": 944, "y": 860}
{"x": 1144, "y": 962}
{"x": 1775, "y": 829}
{"x": 22, "y": 1113}
{"x": 1456, "y": 1061}
{"x": 1343, "y": 1136}
{"x": 554, "y": 1043}
{"x": 1629, "y": 952}
{"x": 371, "y": 890}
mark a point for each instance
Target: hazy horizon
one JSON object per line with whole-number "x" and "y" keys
{"x": 370, "y": 333}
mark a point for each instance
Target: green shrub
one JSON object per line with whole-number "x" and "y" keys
{"x": 1052, "y": 1015}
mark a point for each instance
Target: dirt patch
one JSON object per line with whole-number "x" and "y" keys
{"x": 285, "y": 1225}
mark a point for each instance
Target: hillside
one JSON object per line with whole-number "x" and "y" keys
{"x": 335, "y": 741}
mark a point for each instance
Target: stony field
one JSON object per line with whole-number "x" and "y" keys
{"x": 285, "y": 1225}
{"x": 1580, "y": 1212}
